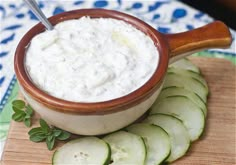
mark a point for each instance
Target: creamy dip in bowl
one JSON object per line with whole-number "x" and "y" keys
{"x": 106, "y": 77}
{"x": 91, "y": 60}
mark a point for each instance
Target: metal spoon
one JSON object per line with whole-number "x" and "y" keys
{"x": 39, "y": 14}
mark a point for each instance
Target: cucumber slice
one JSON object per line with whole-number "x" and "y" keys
{"x": 189, "y": 73}
{"x": 188, "y": 83}
{"x": 179, "y": 137}
{"x": 126, "y": 148}
{"x": 178, "y": 91}
{"x": 88, "y": 150}
{"x": 185, "y": 64}
{"x": 156, "y": 139}
{"x": 184, "y": 109}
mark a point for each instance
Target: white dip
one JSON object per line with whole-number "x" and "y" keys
{"x": 91, "y": 60}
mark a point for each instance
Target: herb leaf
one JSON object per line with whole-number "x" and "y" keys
{"x": 44, "y": 125}
{"x": 50, "y": 142}
{"x": 39, "y": 137}
{"x": 22, "y": 111}
{"x": 27, "y": 116}
{"x": 46, "y": 133}
{"x": 20, "y": 104}
{"x": 50, "y": 137}
{"x": 16, "y": 110}
{"x": 18, "y": 117}
{"x": 64, "y": 135}
{"x": 35, "y": 130}
{"x": 50, "y": 134}
{"x": 29, "y": 110}
{"x": 57, "y": 132}
{"x": 27, "y": 122}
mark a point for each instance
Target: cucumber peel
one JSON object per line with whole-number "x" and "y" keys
{"x": 126, "y": 148}
{"x": 184, "y": 109}
{"x": 180, "y": 91}
{"x": 188, "y": 73}
{"x": 185, "y": 64}
{"x": 179, "y": 137}
{"x": 156, "y": 139}
{"x": 86, "y": 151}
{"x": 189, "y": 83}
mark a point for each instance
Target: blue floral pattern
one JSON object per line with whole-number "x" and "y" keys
{"x": 167, "y": 16}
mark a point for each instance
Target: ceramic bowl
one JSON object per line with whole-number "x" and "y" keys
{"x": 108, "y": 116}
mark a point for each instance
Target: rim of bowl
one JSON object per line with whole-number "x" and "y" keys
{"x": 93, "y": 108}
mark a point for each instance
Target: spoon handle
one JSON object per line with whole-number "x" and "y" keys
{"x": 39, "y": 14}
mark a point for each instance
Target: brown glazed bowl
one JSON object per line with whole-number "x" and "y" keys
{"x": 104, "y": 117}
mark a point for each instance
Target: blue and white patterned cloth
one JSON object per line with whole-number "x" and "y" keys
{"x": 167, "y": 16}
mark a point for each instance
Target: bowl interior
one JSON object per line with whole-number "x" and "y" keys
{"x": 110, "y": 106}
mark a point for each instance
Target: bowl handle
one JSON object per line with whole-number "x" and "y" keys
{"x": 213, "y": 35}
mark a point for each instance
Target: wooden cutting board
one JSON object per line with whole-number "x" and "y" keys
{"x": 215, "y": 147}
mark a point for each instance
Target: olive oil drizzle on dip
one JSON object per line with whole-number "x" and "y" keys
{"x": 91, "y": 60}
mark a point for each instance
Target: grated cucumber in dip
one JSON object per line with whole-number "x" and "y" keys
{"x": 91, "y": 60}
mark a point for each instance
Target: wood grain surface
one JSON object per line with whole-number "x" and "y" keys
{"x": 215, "y": 147}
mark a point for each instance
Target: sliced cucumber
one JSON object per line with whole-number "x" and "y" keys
{"x": 189, "y": 73}
{"x": 185, "y": 64}
{"x": 179, "y": 137}
{"x": 126, "y": 148}
{"x": 86, "y": 151}
{"x": 188, "y": 83}
{"x": 156, "y": 139}
{"x": 184, "y": 109}
{"x": 179, "y": 91}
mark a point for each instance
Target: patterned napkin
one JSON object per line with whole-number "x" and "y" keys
{"x": 167, "y": 16}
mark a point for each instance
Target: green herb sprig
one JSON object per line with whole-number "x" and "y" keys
{"x": 48, "y": 134}
{"x": 22, "y": 111}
